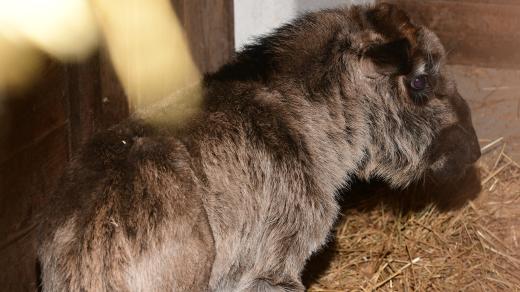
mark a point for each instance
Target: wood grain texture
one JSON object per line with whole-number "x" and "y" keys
{"x": 26, "y": 178}
{"x": 209, "y": 26}
{"x": 513, "y": 2}
{"x": 475, "y": 32}
{"x": 34, "y": 114}
{"x": 112, "y": 101}
{"x": 84, "y": 88}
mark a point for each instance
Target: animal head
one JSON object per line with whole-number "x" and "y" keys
{"x": 418, "y": 123}
{"x": 398, "y": 101}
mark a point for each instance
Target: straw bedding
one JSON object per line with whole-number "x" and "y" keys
{"x": 427, "y": 238}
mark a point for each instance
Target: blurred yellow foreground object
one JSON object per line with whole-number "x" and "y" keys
{"x": 64, "y": 29}
{"x": 147, "y": 47}
{"x": 144, "y": 39}
{"x": 19, "y": 63}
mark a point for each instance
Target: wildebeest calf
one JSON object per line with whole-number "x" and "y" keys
{"x": 239, "y": 197}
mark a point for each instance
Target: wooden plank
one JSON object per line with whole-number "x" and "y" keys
{"x": 25, "y": 181}
{"x": 84, "y": 94}
{"x": 512, "y": 2}
{"x": 113, "y": 101}
{"x": 486, "y": 52}
{"x": 193, "y": 24}
{"x": 467, "y": 17}
{"x": 97, "y": 99}
{"x": 219, "y": 33}
{"x": 28, "y": 177}
{"x": 475, "y": 32}
{"x": 35, "y": 149}
{"x": 210, "y": 28}
{"x": 19, "y": 264}
{"x": 34, "y": 113}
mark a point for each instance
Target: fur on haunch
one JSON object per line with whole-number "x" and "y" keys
{"x": 243, "y": 194}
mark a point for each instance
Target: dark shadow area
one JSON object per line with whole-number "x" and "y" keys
{"x": 365, "y": 197}
{"x": 33, "y": 150}
{"x": 38, "y": 267}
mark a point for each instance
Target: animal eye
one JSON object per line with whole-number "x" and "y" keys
{"x": 419, "y": 83}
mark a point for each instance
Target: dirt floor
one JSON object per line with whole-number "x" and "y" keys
{"x": 463, "y": 237}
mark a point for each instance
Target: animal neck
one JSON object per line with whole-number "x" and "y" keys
{"x": 334, "y": 130}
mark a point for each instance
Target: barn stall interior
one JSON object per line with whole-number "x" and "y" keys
{"x": 385, "y": 240}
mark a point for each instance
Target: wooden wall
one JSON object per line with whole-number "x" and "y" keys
{"x": 210, "y": 28}
{"x": 45, "y": 126}
{"x": 474, "y": 32}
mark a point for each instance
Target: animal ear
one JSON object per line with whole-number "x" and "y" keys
{"x": 394, "y": 54}
{"x": 392, "y": 22}
{"x": 393, "y": 57}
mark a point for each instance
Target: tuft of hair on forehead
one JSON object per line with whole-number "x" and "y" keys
{"x": 392, "y": 23}
{"x": 403, "y": 47}
{"x": 393, "y": 49}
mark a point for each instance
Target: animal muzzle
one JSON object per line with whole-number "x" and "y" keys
{"x": 455, "y": 149}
